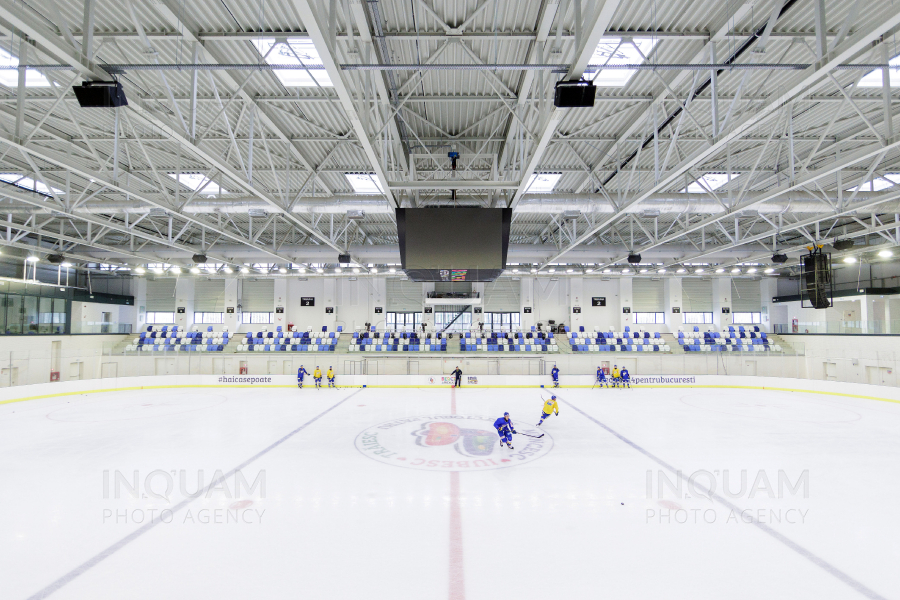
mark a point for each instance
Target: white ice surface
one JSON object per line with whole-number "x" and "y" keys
{"x": 338, "y": 524}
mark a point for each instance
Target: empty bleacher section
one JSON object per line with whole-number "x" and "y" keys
{"x": 494, "y": 341}
{"x": 290, "y": 341}
{"x": 610, "y": 341}
{"x": 749, "y": 339}
{"x": 389, "y": 341}
{"x": 172, "y": 338}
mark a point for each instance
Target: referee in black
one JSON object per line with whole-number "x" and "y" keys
{"x": 457, "y": 373}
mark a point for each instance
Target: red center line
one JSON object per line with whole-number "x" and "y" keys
{"x": 457, "y": 589}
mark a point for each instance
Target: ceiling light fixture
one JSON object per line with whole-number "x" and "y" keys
{"x": 681, "y": 270}
{"x": 885, "y": 254}
{"x": 849, "y": 259}
{"x": 176, "y": 270}
{"x": 68, "y": 265}
{"x": 699, "y": 270}
{"x": 735, "y": 270}
{"x": 752, "y": 270}
{"x": 195, "y": 270}
{"x": 282, "y": 270}
{"x": 643, "y": 270}
{"x": 33, "y": 259}
{"x": 661, "y": 271}
{"x": 245, "y": 270}
{"x": 769, "y": 270}
{"x": 720, "y": 270}
{"x": 228, "y": 270}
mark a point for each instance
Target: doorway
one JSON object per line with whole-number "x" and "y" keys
{"x": 76, "y": 371}
{"x": 108, "y": 370}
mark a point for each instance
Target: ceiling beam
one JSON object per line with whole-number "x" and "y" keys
{"x": 804, "y": 83}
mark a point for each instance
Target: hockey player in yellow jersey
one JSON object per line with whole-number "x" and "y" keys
{"x": 550, "y": 406}
{"x": 616, "y": 376}
{"x": 330, "y": 375}
{"x": 317, "y": 375}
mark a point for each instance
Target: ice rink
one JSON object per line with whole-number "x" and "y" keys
{"x": 406, "y": 493}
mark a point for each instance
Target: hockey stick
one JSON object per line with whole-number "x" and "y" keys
{"x": 531, "y": 436}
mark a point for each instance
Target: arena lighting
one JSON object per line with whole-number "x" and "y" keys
{"x": 626, "y": 271}
{"x": 735, "y": 270}
{"x": 158, "y": 271}
{"x": 392, "y": 270}
{"x": 515, "y": 270}
{"x": 751, "y": 270}
{"x": 176, "y": 270}
{"x": 643, "y": 270}
{"x": 68, "y": 265}
{"x": 355, "y": 270}
{"x": 882, "y": 254}
{"x": 769, "y": 270}
{"x": 570, "y": 270}
{"x": 282, "y": 270}
{"x": 320, "y": 270}
{"x": 534, "y": 270}
{"x": 661, "y": 271}
{"x": 245, "y": 270}
{"x": 849, "y": 259}
{"x": 589, "y": 271}
{"x": 33, "y": 259}
{"x": 682, "y": 270}
{"x": 228, "y": 270}
{"x": 699, "y": 270}
{"x": 195, "y": 270}
{"x": 720, "y": 270}
{"x": 374, "y": 270}
{"x": 338, "y": 270}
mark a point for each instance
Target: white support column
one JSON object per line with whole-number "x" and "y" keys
{"x": 673, "y": 297}
{"x": 184, "y": 298}
{"x": 140, "y": 301}
{"x": 626, "y": 301}
{"x": 230, "y": 320}
{"x": 281, "y": 299}
{"x": 721, "y": 299}
{"x": 526, "y": 299}
{"x": 768, "y": 289}
{"x": 329, "y": 320}
{"x": 576, "y": 298}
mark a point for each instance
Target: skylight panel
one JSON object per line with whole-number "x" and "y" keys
{"x": 873, "y": 78}
{"x": 28, "y": 184}
{"x": 364, "y": 183}
{"x": 541, "y": 183}
{"x": 611, "y": 52}
{"x": 710, "y": 181}
{"x": 196, "y": 181}
{"x": 878, "y": 184}
{"x": 294, "y": 52}
{"x": 10, "y": 77}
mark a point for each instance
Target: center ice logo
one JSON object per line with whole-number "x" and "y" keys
{"x": 448, "y": 443}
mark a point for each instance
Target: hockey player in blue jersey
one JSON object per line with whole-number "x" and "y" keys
{"x": 554, "y": 373}
{"x": 505, "y": 429}
{"x": 601, "y": 377}
{"x": 300, "y": 373}
{"x": 626, "y": 377}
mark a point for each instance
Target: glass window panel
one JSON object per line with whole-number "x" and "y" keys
{"x": 30, "y": 314}
{"x": 208, "y": 318}
{"x": 45, "y": 315}
{"x": 160, "y": 318}
{"x": 59, "y": 315}
{"x": 14, "y": 314}
{"x": 4, "y": 300}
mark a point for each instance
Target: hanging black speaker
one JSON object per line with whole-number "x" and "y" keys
{"x": 816, "y": 279}
{"x": 100, "y": 94}
{"x": 574, "y": 94}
